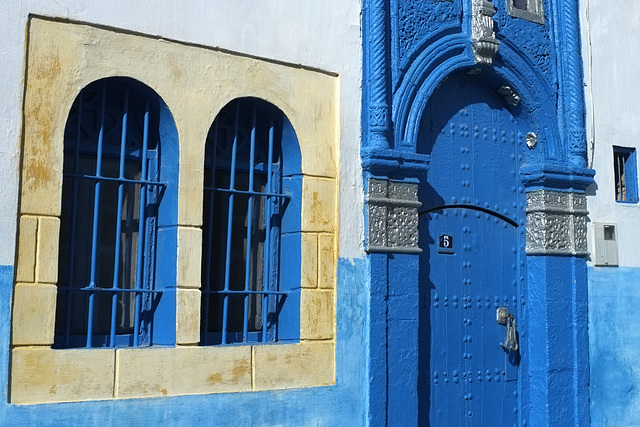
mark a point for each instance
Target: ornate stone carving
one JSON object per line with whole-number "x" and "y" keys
{"x": 580, "y": 233}
{"x": 556, "y": 223}
{"x": 377, "y": 226}
{"x": 571, "y": 81}
{"x": 379, "y": 117}
{"x": 483, "y": 37}
{"x": 417, "y": 20}
{"x": 577, "y": 140}
{"x": 376, "y": 22}
{"x": 403, "y": 191}
{"x": 392, "y": 216}
{"x": 402, "y": 227}
{"x": 534, "y": 42}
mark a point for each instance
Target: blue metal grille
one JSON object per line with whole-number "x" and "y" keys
{"x": 243, "y": 207}
{"x": 624, "y": 175}
{"x": 106, "y": 293}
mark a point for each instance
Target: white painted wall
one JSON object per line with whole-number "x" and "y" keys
{"x": 610, "y": 41}
{"x": 321, "y": 34}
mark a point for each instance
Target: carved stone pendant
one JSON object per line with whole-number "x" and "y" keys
{"x": 483, "y": 37}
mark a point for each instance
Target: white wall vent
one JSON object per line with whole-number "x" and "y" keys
{"x": 606, "y": 245}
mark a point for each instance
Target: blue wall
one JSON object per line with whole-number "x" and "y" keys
{"x": 614, "y": 345}
{"x": 342, "y": 404}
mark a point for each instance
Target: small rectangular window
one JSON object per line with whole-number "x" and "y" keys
{"x": 530, "y": 10}
{"x": 521, "y": 4}
{"x": 624, "y": 175}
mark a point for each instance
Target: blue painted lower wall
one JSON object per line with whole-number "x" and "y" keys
{"x": 614, "y": 345}
{"x": 341, "y": 404}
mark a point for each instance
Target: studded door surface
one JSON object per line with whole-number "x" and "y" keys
{"x": 472, "y": 236}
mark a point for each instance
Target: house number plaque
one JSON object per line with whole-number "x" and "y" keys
{"x": 445, "y": 244}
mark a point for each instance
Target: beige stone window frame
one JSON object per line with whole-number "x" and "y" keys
{"x": 195, "y": 83}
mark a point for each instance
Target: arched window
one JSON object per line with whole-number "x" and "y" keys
{"x": 244, "y": 204}
{"x": 114, "y": 187}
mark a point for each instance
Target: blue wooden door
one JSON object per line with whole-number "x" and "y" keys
{"x": 472, "y": 236}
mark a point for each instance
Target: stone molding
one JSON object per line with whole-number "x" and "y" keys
{"x": 392, "y": 209}
{"x": 376, "y": 23}
{"x": 556, "y": 223}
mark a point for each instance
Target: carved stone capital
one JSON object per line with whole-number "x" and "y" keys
{"x": 379, "y": 116}
{"x": 556, "y": 223}
{"x": 392, "y": 209}
{"x": 483, "y": 36}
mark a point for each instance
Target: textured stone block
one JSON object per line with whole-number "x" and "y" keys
{"x": 189, "y": 257}
{"x": 159, "y": 371}
{"x": 309, "y": 364}
{"x": 187, "y": 316}
{"x": 43, "y": 375}
{"x": 318, "y": 139}
{"x": 26, "y": 263}
{"x": 309, "y": 260}
{"x": 556, "y": 223}
{"x": 317, "y": 315}
{"x": 193, "y": 124}
{"x": 318, "y": 205}
{"x": 47, "y": 250}
{"x": 34, "y": 314}
{"x": 392, "y": 216}
{"x": 327, "y": 261}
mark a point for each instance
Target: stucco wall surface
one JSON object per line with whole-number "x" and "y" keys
{"x": 614, "y": 298}
{"x": 609, "y": 45}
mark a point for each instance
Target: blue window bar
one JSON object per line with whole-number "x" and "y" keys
{"x": 625, "y": 174}
{"x": 242, "y": 216}
{"x": 110, "y": 197}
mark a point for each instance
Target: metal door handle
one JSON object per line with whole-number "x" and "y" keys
{"x": 503, "y": 317}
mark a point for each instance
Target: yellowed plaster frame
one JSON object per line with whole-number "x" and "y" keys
{"x": 195, "y": 83}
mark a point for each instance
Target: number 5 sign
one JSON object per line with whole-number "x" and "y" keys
{"x": 445, "y": 243}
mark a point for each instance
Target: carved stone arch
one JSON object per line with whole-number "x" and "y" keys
{"x": 435, "y": 60}
{"x": 511, "y": 72}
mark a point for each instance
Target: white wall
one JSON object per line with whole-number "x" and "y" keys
{"x": 610, "y": 40}
{"x": 319, "y": 34}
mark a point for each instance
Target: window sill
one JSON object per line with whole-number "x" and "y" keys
{"x": 44, "y": 375}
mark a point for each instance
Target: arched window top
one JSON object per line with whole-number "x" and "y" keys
{"x": 236, "y": 118}
{"x": 112, "y": 93}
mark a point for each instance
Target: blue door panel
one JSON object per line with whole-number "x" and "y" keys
{"x": 472, "y": 235}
